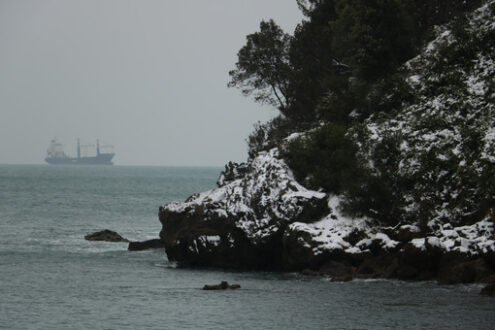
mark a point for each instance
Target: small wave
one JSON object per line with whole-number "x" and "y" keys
{"x": 169, "y": 265}
{"x": 115, "y": 247}
{"x": 78, "y": 245}
{"x": 373, "y": 280}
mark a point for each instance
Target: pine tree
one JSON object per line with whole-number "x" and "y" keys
{"x": 263, "y": 68}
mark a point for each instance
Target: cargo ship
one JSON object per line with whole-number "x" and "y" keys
{"x": 57, "y": 156}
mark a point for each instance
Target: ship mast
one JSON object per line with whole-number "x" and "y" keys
{"x": 78, "y": 148}
{"x": 97, "y": 147}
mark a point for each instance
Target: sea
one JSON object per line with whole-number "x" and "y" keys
{"x": 52, "y": 278}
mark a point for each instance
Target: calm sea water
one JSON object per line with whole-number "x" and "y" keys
{"x": 51, "y": 278}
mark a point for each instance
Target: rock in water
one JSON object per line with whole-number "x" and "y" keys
{"x": 145, "y": 245}
{"x": 106, "y": 236}
{"x": 222, "y": 286}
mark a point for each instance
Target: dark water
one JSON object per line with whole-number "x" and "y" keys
{"x": 51, "y": 278}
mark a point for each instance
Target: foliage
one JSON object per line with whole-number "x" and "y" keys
{"x": 443, "y": 162}
{"x": 372, "y": 37}
{"x": 325, "y": 159}
{"x": 270, "y": 134}
{"x": 346, "y": 72}
{"x": 263, "y": 67}
{"x": 339, "y": 57}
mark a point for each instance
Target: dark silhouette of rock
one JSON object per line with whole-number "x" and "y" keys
{"x": 406, "y": 233}
{"x": 380, "y": 266}
{"x": 488, "y": 290}
{"x": 339, "y": 272}
{"x": 146, "y": 245}
{"x": 342, "y": 278}
{"x": 455, "y": 269}
{"x": 407, "y": 272}
{"x": 222, "y": 286}
{"x": 106, "y": 236}
{"x": 310, "y": 272}
{"x": 489, "y": 279}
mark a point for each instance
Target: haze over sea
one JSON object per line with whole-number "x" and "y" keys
{"x": 51, "y": 278}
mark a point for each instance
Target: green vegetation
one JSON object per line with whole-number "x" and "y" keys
{"x": 343, "y": 69}
{"x": 342, "y": 57}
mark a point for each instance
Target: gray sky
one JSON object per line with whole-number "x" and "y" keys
{"x": 147, "y": 76}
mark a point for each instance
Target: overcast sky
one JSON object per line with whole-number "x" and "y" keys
{"x": 148, "y": 77}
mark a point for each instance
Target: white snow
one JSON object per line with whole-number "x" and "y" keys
{"x": 419, "y": 243}
{"x": 294, "y": 136}
{"x": 211, "y": 240}
{"x": 411, "y": 228}
{"x": 266, "y": 194}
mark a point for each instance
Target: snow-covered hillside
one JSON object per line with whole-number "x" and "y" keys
{"x": 443, "y": 144}
{"x": 442, "y": 170}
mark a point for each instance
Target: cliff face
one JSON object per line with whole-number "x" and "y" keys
{"x": 439, "y": 151}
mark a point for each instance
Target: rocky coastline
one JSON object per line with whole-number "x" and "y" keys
{"x": 434, "y": 152}
{"x": 107, "y": 235}
{"x": 437, "y": 153}
{"x": 261, "y": 218}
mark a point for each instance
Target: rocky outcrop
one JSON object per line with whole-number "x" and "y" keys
{"x": 222, "y": 286}
{"x": 266, "y": 220}
{"x": 240, "y": 224}
{"x": 106, "y": 236}
{"x": 146, "y": 245}
{"x": 112, "y": 236}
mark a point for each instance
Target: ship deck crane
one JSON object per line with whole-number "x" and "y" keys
{"x": 84, "y": 146}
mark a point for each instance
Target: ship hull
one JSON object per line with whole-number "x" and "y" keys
{"x": 101, "y": 159}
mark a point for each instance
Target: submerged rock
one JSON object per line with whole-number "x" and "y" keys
{"x": 106, "y": 236}
{"x": 222, "y": 286}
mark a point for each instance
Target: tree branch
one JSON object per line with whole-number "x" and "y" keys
{"x": 282, "y": 104}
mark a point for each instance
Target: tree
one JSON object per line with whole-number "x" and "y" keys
{"x": 373, "y": 36}
{"x": 263, "y": 67}
{"x": 312, "y": 60}
{"x": 308, "y": 6}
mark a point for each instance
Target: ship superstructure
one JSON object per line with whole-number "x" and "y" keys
{"x": 57, "y": 156}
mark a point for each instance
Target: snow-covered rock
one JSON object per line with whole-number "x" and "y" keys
{"x": 476, "y": 239}
{"x": 265, "y": 219}
{"x": 246, "y": 213}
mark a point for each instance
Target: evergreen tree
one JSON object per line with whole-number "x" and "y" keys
{"x": 373, "y": 37}
{"x": 263, "y": 68}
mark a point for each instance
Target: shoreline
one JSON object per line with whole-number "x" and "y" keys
{"x": 261, "y": 218}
